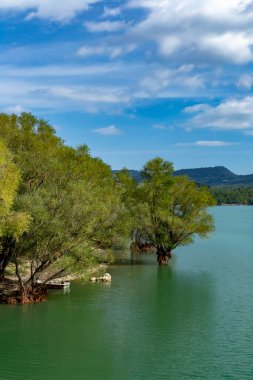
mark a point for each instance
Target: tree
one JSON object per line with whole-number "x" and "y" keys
{"x": 173, "y": 209}
{"x": 12, "y": 224}
{"x": 73, "y": 200}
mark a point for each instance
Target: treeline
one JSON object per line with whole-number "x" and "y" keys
{"x": 58, "y": 205}
{"x": 61, "y": 209}
{"x": 233, "y": 195}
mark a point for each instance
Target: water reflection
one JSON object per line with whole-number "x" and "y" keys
{"x": 191, "y": 320}
{"x": 124, "y": 257}
{"x": 163, "y": 316}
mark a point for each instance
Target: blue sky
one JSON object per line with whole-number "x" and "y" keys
{"x": 135, "y": 79}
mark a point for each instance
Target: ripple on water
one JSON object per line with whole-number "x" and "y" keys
{"x": 192, "y": 320}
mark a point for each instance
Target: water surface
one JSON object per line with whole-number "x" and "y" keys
{"x": 192, "y": 320}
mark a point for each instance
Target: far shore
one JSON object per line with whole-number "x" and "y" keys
{"x": 234, "y": 204}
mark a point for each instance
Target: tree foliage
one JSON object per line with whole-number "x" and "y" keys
{"x": 12, "y": 223}
{"x": 233, "y": 195}
{"x": 73, "y": 200}
{"x": 60, "y": 208}
{"x": 170, "y": 210}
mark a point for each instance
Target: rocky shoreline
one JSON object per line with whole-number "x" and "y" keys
{"x": 11, "y": 292}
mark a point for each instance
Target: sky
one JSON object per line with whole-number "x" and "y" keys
{"x": 135, "y": 79}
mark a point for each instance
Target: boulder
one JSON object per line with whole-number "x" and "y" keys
{"x": 105, "y": 278}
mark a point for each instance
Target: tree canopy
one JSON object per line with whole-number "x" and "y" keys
{"x": 170, "y": 210}
{"x": 72, "y": 199}
{"x": 12, "y": 223}
{"x": 61, "y": 209}
{"x": 233, "y": 195}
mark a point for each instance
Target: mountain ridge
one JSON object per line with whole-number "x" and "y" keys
{"x": 209, "y": 176}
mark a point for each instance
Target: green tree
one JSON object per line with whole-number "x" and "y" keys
{"x": 9, "y": 180}
{"x": 12, "y": 224}
{"x": 173, "y": 209}
{"x": 73, "y": 200}
{"x": 233, "y": 194}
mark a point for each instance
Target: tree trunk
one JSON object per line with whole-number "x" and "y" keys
{"x": 29, "y": 294}
{"x": 163, "y": 256}
{"x": 4, "y": 261}
{"x": 23, "y": 295}
{"x": 8, "y": 244}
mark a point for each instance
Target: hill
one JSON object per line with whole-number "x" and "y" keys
{"x": 211, "y": 176}
{"x": 216, "y": 176}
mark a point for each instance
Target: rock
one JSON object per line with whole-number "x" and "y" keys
{"x": 105, "y": 278}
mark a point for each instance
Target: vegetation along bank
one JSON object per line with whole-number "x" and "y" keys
{"x": 61, "y": 210}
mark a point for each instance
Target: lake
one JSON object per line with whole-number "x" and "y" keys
{"x": 191, "y": 320}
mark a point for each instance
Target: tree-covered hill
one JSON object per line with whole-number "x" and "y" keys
{"x": 216, "y": 176}
{"x": 242, "y": 195}
{"x": 212, "y": 176}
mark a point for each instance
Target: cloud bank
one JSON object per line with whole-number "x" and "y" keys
{"x": 55, "y": 10}
{"x": 194, "y": 31}
{"x": 231, "y": 114}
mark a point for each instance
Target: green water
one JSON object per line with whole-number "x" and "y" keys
{"x": 192, "y": 320}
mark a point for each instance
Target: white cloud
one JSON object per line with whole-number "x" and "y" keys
{"x": 168, "y": 45}
{"x": 111, "y": 12}
{"x": 207, "y": 143}
{"x": 232, "y": 114}
{"x": 60, "y": 70}
{"x": 111, "y": 130}
{"x": 194, "y": 31}
{"x": 231, "y": 46}
{"x": 92, "y": 94}
{"x": 105, "y": 26}
{"x": 17, "y": 109}
{"x": 245, "y": 82}
{"x": 162, "y": 83}
{"x": 107, "y": 86}
{"x": 58, "y": 94}
{"x": 111, "y": 51}
{"x": 57, "y": 10}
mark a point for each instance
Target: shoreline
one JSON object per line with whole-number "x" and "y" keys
{"x": 233, "y": 204}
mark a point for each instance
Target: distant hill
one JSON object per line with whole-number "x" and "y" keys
{"x": 135, "y": 174}
{"x": 216, "y": 176}
{"x": 212, "y": 176}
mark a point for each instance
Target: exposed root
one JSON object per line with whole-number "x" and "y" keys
{"x": 23, "y": 296}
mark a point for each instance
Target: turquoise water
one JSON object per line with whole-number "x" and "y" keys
{"x": 192, "y": 320}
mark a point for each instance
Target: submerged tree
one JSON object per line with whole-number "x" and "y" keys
{"x": 169, "y": 210}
